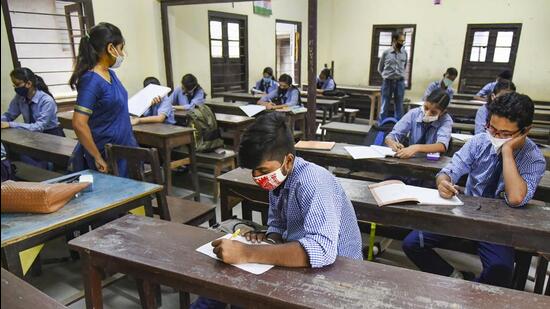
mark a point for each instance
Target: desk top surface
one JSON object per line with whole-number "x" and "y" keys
{"x": 18, "y": 294}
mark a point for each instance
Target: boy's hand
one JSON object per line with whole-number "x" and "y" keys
{"x": 230, "y": 251}
{"x": 516, "y": 142}
{"x": 134, "y": 120}
{"x": 156, "y": 100}
{"x": 446, "y": 189}
{"x": 255, "y": 237}
{"x": 407, "y": 152}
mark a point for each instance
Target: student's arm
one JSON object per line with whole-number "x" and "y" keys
{"x": 13, "y": 111}
{"x": 520, "y": 186}
{"x": 198, "y": 99}
{"x": 483, "y": 93}
{"x": 481, "y": 119}
{"x": 164, "y": 109}
{"x": 149, "y": 119}
{"x": 268, "y": 98}
{"x": 460, "y": 165}
{"x": 331, "y": 85}
{"x": 46, "y": 111}
{"x": 289, "y": 254}
{"x": 400, "y": 130}
{"x": 294, "y": 99}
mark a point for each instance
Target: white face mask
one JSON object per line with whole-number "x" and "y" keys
{"x": 428, "y": 119}
{"x": 497, "y": 142}
{"x": 118, "y": 61}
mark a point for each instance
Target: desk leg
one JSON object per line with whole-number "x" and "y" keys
{"x": 92, "y": 283}
{"x": 194, "y": 172}
{"x": 11, "y": 261}
{"x": 523, "y": 262}
{"x": 167, "y": 170}
{"x": 147, "y": 294}
{"x": 371, "y": 113}
{"x": 224, "y": 202}
{"x": 237, "y": 139}
{"x": 540, "y": 274}
{"x": 379, "y": 103}
{"x": 324, "y": 115}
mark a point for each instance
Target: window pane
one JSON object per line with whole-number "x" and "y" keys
{"x": 381, "y": 49}
{"x": 502, "y": 54}
{"x": 504, "y": 38}
{"x": 385, "y": 38}
{"x": 481, "y": 38}
{"x": 233, "y": 31}
{"x": 216, "y": 49}
{"x": 478, "y": 54}
{"x": 215, "y": 30}
{"x": 234, "y": 50}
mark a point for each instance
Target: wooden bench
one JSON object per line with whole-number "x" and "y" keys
{"x": 27, "y": 172}
{"x": 18, "y": 294}
{"x": 171, "y": 259}
{"x": 350, "y": 114}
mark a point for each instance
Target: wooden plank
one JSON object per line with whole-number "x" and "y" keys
{"x": 18, "y": 294}
{"x": 164, "y": 252}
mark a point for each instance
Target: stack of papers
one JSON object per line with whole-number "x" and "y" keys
{"x": 369, "y": 152}
{"x": 141, "y": 101}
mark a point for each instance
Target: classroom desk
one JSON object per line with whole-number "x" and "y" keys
{"x": 418, "y": 167}
{"x": 111, "y": 196}
{"x": 161, "y": 252}
{"x": 240, "y": 97}
{"x": 479, "y": 219}
{"x": 538, "y": 133}
{"x": 230, "y": 108}
{"x": 165, "y": 137}
{"x": 47, "y": 147}
{"x": 352, "y": 133}
{"x": 18, "y": 294}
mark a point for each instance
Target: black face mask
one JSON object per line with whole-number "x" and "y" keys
{"x": 398, "y": 45}
{"x": 22, "y": 91}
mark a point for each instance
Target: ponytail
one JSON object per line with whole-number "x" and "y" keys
{"x": 92, "y": 46}
{"x": 26, "y": 75}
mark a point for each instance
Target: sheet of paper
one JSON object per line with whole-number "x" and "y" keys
{"x": 462, "y": 137}
{"x": 386, "y": 151}
{"x": 363, "y": 152}
{"x": 428, "y": 196}
{"x": 141, "y": 101}
{"x": 252, "y": 109}
{"x": 256, "y": 91}
{"x": 254, "y": 268}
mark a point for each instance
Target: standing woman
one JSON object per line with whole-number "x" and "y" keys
{"x": 101, "y": 111}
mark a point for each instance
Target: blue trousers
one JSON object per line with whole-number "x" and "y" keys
{"x": 497, "y": 260}
{"x": 396, "y": 89}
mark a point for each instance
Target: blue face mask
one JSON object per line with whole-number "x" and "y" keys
{"x": 267, "y": 80}
{"x": 22, "y": 91}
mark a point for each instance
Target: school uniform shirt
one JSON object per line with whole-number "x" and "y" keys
{"x": 411, "y": 124}
{"x": 39, "y": 113}
{"x": 437, "y": 85}
{"x": 478, "y": 159}
{"x": 481, "y": 119}
{"x": 311, "y": 207}
{"x": 178, "y": 97}
{"x": 326, "y": 85}
{"x": 487, "y": 89}
{"x": 392, "y": 63}
{"x": 106, "y": 104}
{"x": 290, "y": 98}
{"x": 165, "y": 108}
{"x": 267, "y": 87}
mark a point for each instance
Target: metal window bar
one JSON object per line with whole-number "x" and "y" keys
{"x": 45, "y": 28}
{"x": 46, "y": 14}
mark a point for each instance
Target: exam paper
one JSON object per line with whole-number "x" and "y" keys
{"x": 141, "y": 101}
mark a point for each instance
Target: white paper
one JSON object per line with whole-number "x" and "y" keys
{"x": 363, "y": 152}
{"x": 252, "y": 109}
{"x": 428, "y": 196}
{"x": 386, "y": 151}
{"x": 254, "y": 268}
{"x": 462, "y": 137}
{"x": 141, "y": 101}
{"x": 392, "y": 192}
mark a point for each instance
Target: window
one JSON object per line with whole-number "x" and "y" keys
{"x": 381, "y": 40}
{"x": 488, "y": 50}
{"x": 44, "y": 36}
{"x": 287, "y": 49}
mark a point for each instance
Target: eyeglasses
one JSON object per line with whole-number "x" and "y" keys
{"x": 501, "y": 133}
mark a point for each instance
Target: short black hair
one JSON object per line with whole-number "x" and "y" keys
{"x": 504, "y": 84}
{"x": 513, "y": 106}
{"x": 189, "y": 81}
{"x": 268, "y": 71}
{"x": 150, "y": 80}
{"x": 268, "y": 138}
{"x": 286, "y": 78}
{"x": 440, "y": 98}
{"x": 506, "y": 74}
{"x": 326, "y": 72}
{"x": 396, "y": 34}
{"x": 452, "y": 71}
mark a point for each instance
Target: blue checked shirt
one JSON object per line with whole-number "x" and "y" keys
{"x": 411, "y": 124}
{"x": 436, "y": 85}
{"x": 312, "y": 208}
{"x": 481, "y": 119}
{"x": 42, "y": 107}
{"x": 478, "y": 159}
{"x": 487, "y": 89}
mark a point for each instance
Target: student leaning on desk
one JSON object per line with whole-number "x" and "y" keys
{"x": 502, "y": 163}
{"x": 311, "y": 220}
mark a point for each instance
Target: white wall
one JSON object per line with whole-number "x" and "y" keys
{"x": 440, "y": 35}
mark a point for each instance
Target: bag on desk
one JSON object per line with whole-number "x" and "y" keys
{"x": 35, "y": 197}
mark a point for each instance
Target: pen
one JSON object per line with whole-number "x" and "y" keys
{"x": 234, "y": 235}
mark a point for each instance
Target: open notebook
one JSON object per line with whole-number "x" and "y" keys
{"x": 254, "y": 268}
{"x": 395, "y": 191}
{"x": 368, "y": 152}
{"x": 141, "y": 101}
{"x": 252, "y": 110}
{"x": 315, "y": 145}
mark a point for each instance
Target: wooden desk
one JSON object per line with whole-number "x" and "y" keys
{"x": 540, "y": 134}
{"x": 418, "y": 167}
{"x": 164, "y": 253}
{"x": 226, "y": 107}
{"x": 111, "y": 196}
{"x": 240, "y": 97}
{"x": 351, "y": 133}
{"x": 165, "y": 137}
{"x": 18, "y": 294}
{"x": 330, "y": 107}
{"x": 47, "y": 147}
{"x": 479, "y": 219}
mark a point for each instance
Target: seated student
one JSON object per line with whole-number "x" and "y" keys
{"x": 161, "y": 110}
{"x": 286, "y": 95}
{"x": 189, "y": 95}
{"x": 34, "y": 101}
{"x": 501, "y": 163}
{"x": 428, "y": 127}
{"x": 502, "y": 87}
{"x": 325, "y": 82}
{"x": 311, "y": 220}
{"x": 488, "y": 89}
{"x": 448, "y": 78}
{"x": 267, "y": 83}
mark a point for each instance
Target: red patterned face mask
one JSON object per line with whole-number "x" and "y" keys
{"x": 271, "y": 180}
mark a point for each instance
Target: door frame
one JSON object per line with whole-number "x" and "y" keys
{"x": 299, "y": 27}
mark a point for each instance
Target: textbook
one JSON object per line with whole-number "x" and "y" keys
{"x": 140, "y": 102}
{"x": 254, "y": 268}
{"x": 395, "y": 191}
{"x": 369, "y": 152}
{"x": 315, "y": 145}
{"x": 252, "y": 109}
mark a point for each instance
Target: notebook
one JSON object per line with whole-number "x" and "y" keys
{"x": 254, "y": 268}
{"x": 395, "y": 191}
{"x": 140, "y": 102}
{"x": 369, "y": 152}
{"x": 252, "y": 109}
{"x": 315, "y": 145}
